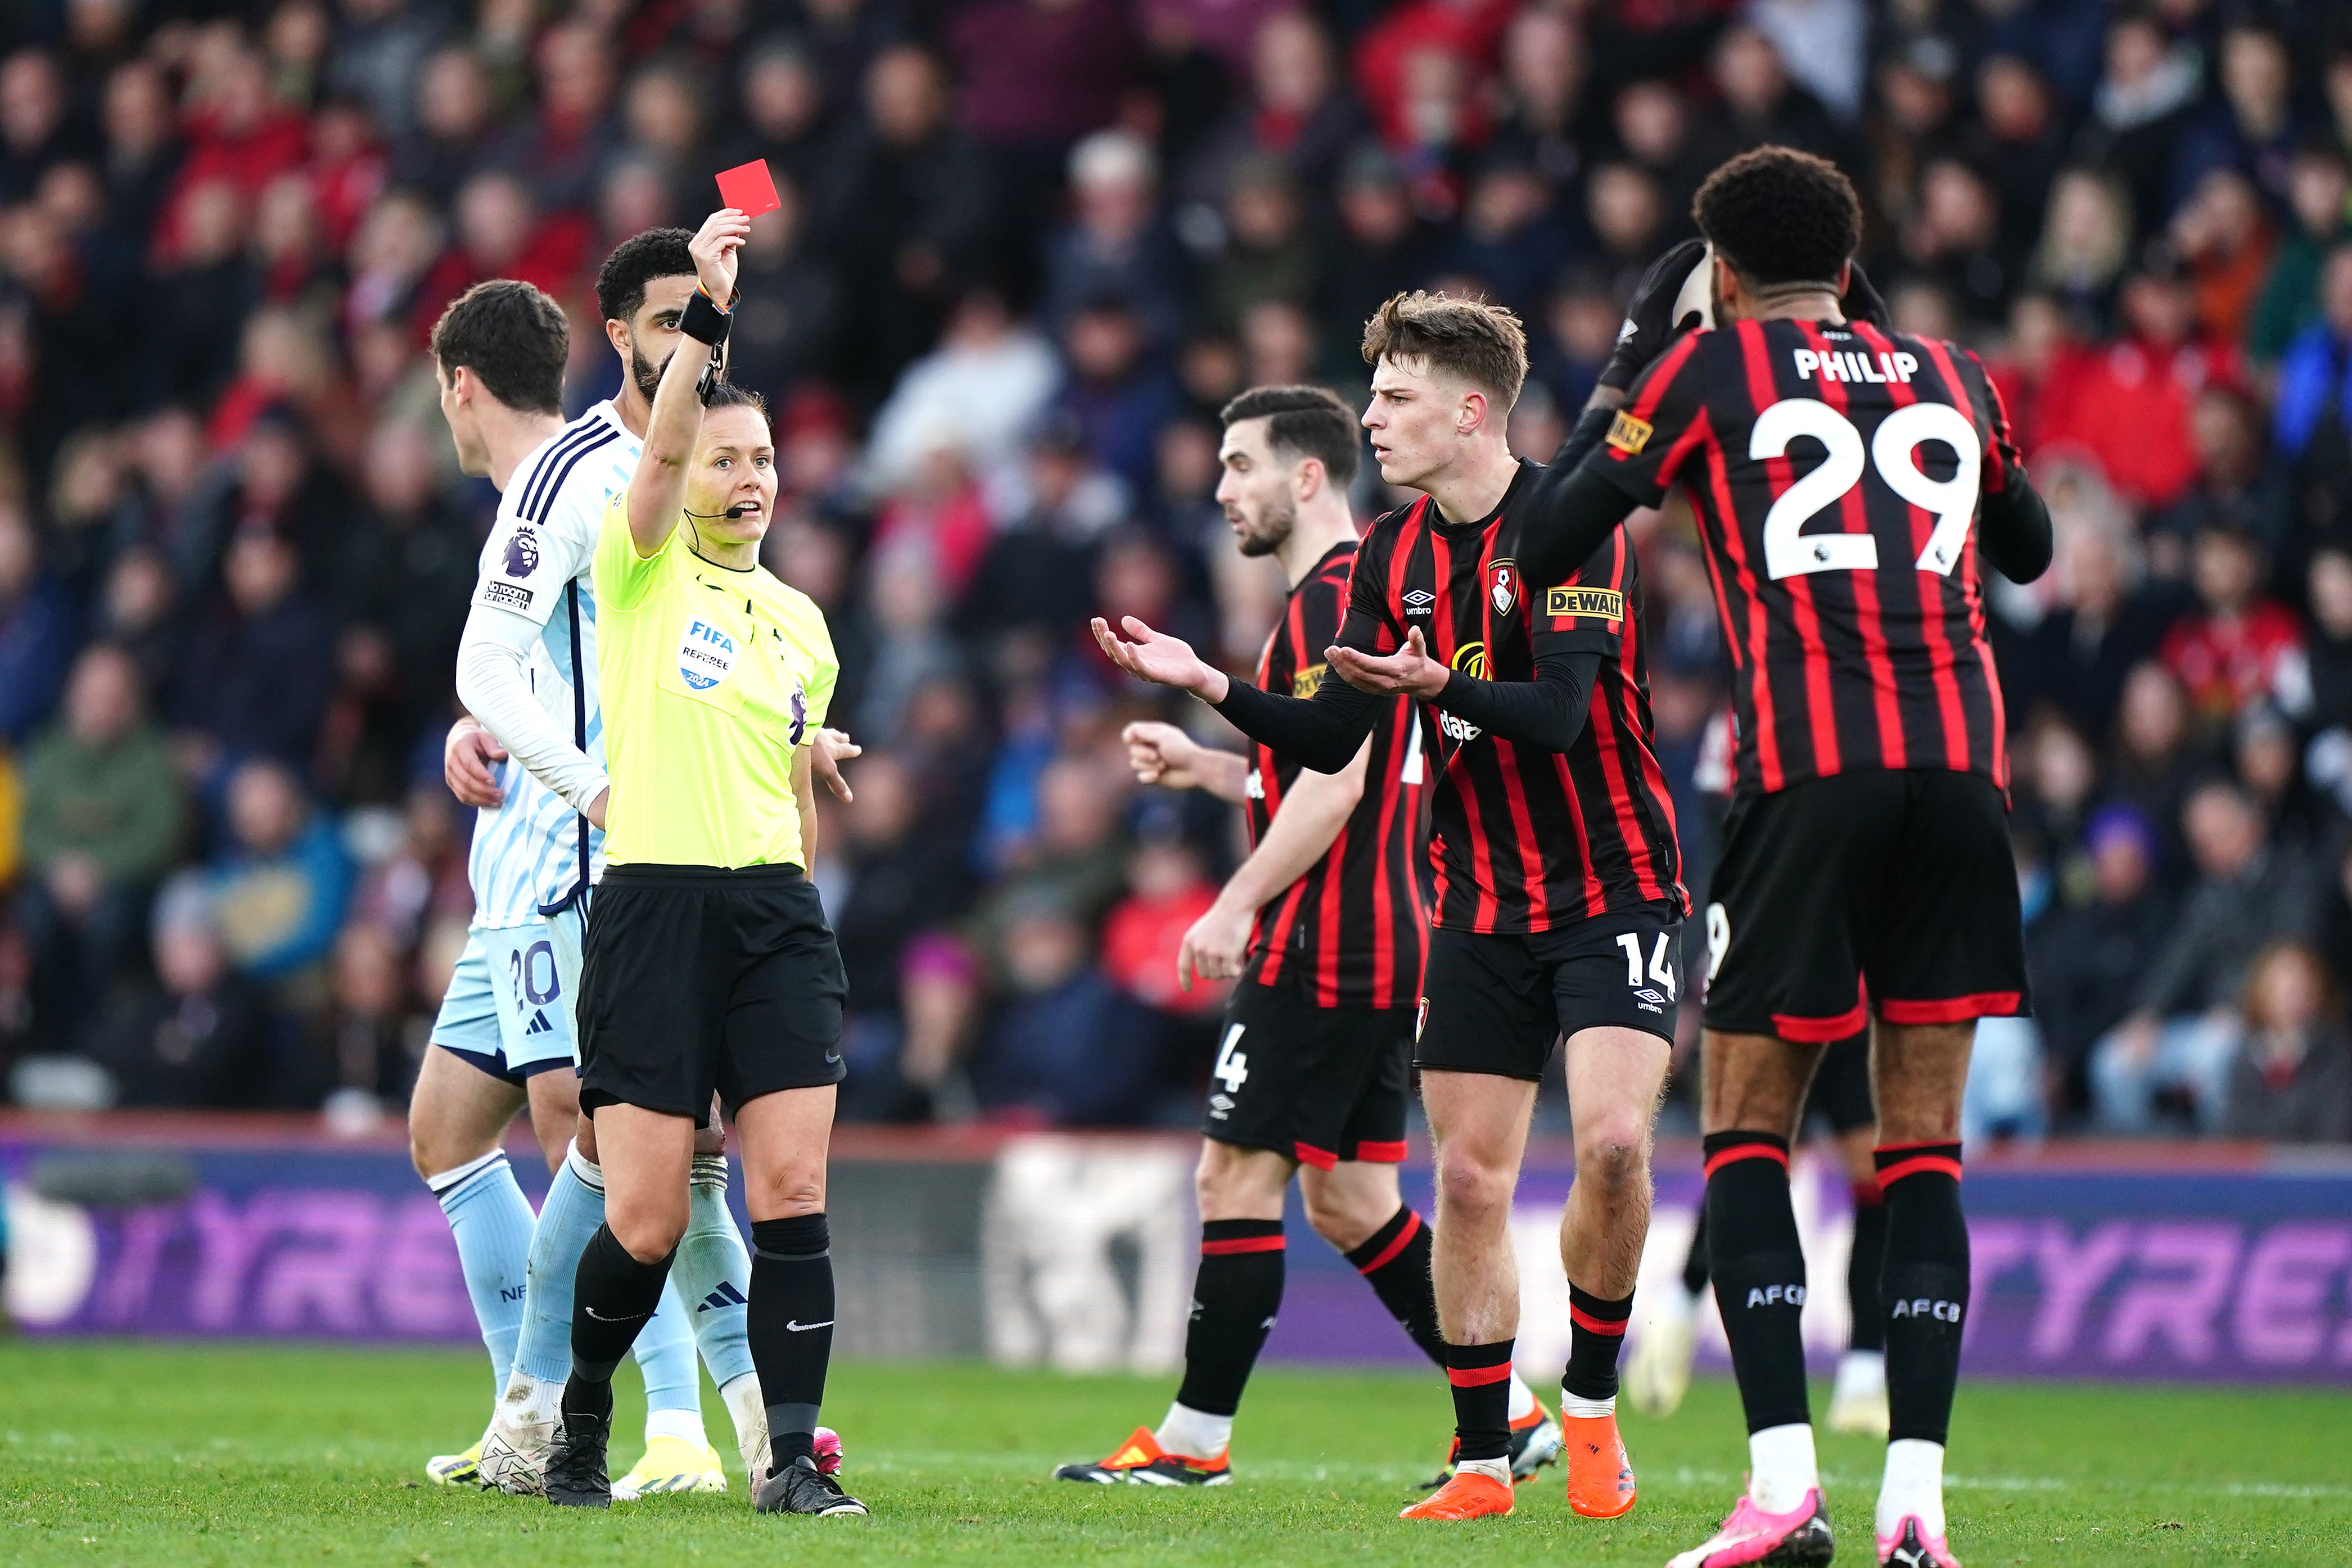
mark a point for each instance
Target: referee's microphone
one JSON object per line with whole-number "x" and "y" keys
{"x": 739, "y": 510}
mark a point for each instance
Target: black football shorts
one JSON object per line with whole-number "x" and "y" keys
{"x": 1879, "y": 891}
{"x": 1319, "y": 1084}
{"x": 698, "y": 979}
{"x": 1497, "y": 1002}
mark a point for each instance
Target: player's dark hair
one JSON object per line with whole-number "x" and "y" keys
{"x": 635, "y": 262}
{"x": 1484, "y": 344}
{"x": 1304, "y": 421}
{"x": 1781, "y": 216}
{"x": 511, "y": 336}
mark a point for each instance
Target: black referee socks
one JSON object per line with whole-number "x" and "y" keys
{"x": 1234, "y": 1298}
{"x": 1925, "y": 1286}
{"x": 1395, "y": 1264}
{"x": 613, "y": 1295}
{"x": 1759, "y": 1273}
{"x": 790, "y": 1326}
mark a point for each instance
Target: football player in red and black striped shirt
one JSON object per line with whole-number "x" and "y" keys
{"x": 1850, "y": 483}
{"x": 1559, "y": 907}
{"x": 1325, "y": 925}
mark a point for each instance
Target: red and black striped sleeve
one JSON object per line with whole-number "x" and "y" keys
{"x": 1664, "y": 420}
{"x": 1322, "y": 601}
{"x": 2013, "y": 528}
{"x": 1370, "y": 625}
{"x": 1575, "y": 505}
{"x": 1586, "y": 613}
{"x": 1324, "y": 728}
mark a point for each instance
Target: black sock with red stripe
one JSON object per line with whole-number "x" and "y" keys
{"x": 1234, "y": 1298}
{"x": 1395, "y": 1264}
{"x": 1596, "y": 1332}
{"x": 1863, "y": 1267}
{"x": 1481, "y": 1376}
{"x": 1759, "y": 1273}
{"x": 1925, "y": 1285}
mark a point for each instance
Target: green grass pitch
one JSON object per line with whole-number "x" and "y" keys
{"x": 145, "y": 1457}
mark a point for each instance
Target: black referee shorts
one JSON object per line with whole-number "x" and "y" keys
{"x": 698, "y": 978}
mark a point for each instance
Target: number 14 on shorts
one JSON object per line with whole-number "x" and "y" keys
{"x": 1661, "y": 969}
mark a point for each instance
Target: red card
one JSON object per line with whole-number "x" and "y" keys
{"x": 750, "y": 188}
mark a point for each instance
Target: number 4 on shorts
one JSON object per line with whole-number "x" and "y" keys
{"x": 1233, "y": 1066}
{"x": 1660, "y": 970}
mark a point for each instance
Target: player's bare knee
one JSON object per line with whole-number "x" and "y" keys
{"x": 649, "y": 1231}
{"x": 1616, "y": 1160}
{"x": 433, "y": 1148}
{"x": 1472, "y": 1189}
{"x": 787, "y": 1194}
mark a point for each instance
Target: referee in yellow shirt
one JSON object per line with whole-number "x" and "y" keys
{"x": 708, "y": 965}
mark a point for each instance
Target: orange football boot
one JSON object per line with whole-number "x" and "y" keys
{"x": 1535, "y": 1443}
{"x": 1141, "y": 1461}
{"x": 1467, "y": 1495}
{"x": 1599, "y": 1480}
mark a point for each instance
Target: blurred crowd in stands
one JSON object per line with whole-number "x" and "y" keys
{"x": 1027, "y": 248}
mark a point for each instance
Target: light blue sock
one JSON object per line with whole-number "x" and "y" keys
{"x": 491, "y": 1222}
{"x": 666, "y": 1357}
{"x": 574, "y": 1209}
{"x": 713, "y": 1273}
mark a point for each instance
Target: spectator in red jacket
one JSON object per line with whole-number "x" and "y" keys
{"x": 1467, "y": 31}
{"x": 2128, "y": 401}
{"x": 2230, "y": 650}
{"x": 501, "y": 233}
{"x": 238, "y": 135}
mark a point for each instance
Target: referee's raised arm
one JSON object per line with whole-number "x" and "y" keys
{"x": 658, "y": 490}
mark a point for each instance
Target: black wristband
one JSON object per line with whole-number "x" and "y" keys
{"x": 704, "y": 321}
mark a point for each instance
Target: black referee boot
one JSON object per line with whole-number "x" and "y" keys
{"x": 801, "y": 1488}
{"x": 577, "y": 1475}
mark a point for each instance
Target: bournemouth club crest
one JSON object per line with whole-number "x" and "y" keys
{"x": 1503, "y": 586}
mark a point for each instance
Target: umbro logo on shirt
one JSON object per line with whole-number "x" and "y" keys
{"x": 1417, "y": 603}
